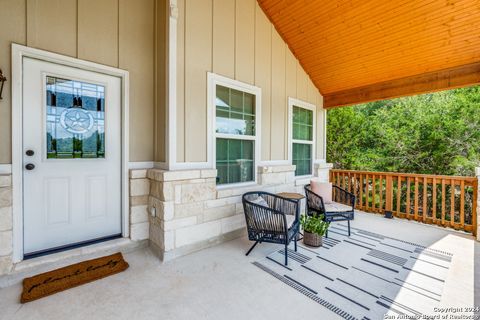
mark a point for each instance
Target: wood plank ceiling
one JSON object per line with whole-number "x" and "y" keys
{"x": 364, "y": 50}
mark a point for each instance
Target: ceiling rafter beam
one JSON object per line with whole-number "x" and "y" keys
{"x": 450, "y": 78}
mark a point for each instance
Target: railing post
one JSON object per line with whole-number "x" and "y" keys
{"x": 389, "y": 194}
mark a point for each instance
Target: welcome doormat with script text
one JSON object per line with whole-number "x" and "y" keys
{"x": 51, "y": 282}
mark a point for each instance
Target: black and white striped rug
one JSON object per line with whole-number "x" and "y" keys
{"x": 364, "y": 276}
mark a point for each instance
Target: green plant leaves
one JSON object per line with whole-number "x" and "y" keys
{"x": 314, "y": 224}
{"x": 436, "y": 133}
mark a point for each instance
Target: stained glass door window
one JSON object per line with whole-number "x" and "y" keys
{"x": 75, "y": 119}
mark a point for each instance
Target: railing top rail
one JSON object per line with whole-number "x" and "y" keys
{"x": 411, "y": 175}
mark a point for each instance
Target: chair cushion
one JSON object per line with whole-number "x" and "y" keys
{"x": 290, "y": 220}
{"x": 260, "y": 201}
{"x": 323, "y": 189}
{"x": 337, "y": 207}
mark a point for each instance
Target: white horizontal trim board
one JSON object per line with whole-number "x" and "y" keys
{"x": 274, "y": 163}
{"x": 190, "y": 165}
{"x": 140, "y": 164}
{"x": 5, "y": 168}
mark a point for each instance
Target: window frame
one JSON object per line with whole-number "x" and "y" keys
{"x": 292, "y": 102}
{"x": 214, "y": 80}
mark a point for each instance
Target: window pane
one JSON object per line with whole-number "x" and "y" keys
{"x": 302, "y": 124}
{"x": 302, "y": 158}
{"x": 235, "y": 112}
{"x": 250, "y": 125}
{"x": 235, "y": 160}
{"x": 236, "y": 99}
{"x": 222, "y": 149}
{"x": 249, "y": 103}
{"x": 223, "y": 99}
{"x": 222, "y": 173}
{"x": 234, "y": 149}
{"x": 75, "y": 119}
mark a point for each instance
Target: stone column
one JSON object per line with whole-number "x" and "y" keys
{"x": 139, "y": 191}
{"x": 183, "y": 220}
{"x": 322, "y": 171}
{"x": 6, "y": 236}
{"x": 477, "y": 174}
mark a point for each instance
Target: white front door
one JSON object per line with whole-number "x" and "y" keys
{"x": 72, "y": 150}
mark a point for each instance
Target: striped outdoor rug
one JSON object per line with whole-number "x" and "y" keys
{"x": 364, "y": 276}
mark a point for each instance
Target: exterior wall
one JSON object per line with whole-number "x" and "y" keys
{"x": 235, "y": 39}
{"x": 118, "y": 33}
{"x": 179, "y": 211}
{"x": 192, "y": 213}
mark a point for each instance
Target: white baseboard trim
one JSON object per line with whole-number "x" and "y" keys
{"x": 190, "y": 166}
{"x": 140, "y": 165}
{"x": 160, "y": 165}
{"x": 5, "y": 169}
{"x": 275, "y": 163}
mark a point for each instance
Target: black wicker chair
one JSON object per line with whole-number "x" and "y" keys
{"x": 273, "y": 219}
{"x": 315, "y": 204}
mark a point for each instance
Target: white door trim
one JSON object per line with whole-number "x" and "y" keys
{"x": 18, "y": 53}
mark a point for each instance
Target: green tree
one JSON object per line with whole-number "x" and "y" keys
{"x": 436, "y": 133}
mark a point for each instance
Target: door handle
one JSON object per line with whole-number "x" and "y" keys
{"x": 29, "y": 166}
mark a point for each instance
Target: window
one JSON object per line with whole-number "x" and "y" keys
{"x": 236, "y": 127}
{"x": 302, "y": 128}
{"x": 75, "y": 119}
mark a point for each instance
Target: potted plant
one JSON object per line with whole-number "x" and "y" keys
{"x": 314, "y": 227}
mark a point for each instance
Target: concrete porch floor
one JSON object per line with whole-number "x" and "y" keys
{"x": 221, "y": 283}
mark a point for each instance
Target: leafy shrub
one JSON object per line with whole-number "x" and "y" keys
{"x": 314, "y": 224}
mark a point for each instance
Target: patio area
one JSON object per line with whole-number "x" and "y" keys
{"x": 222, "y": 283}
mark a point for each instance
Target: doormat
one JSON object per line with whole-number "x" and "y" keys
{"x": 51, "y": 282}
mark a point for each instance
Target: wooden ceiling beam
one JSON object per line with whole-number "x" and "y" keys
{"x": 451, "y": 78}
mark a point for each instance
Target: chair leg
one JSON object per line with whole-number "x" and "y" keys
{"x": 286, "y": 255}
{"x": 348, "y": 222}
{"x": 250, "y": 250}
{"x": 295, "y": 239}
{"x": 326, "y": 234}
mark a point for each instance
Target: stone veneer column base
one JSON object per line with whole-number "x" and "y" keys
{"x": 6, "y": 234}
{"x": 192, "y": 213}
{"x": 139, "y": 217}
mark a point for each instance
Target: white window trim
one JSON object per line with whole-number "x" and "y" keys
{"x": 305, "y": 105}
{"x": 212, "y": 81}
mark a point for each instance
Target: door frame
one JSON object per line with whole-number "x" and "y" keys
{"x": 18, "y": 53}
